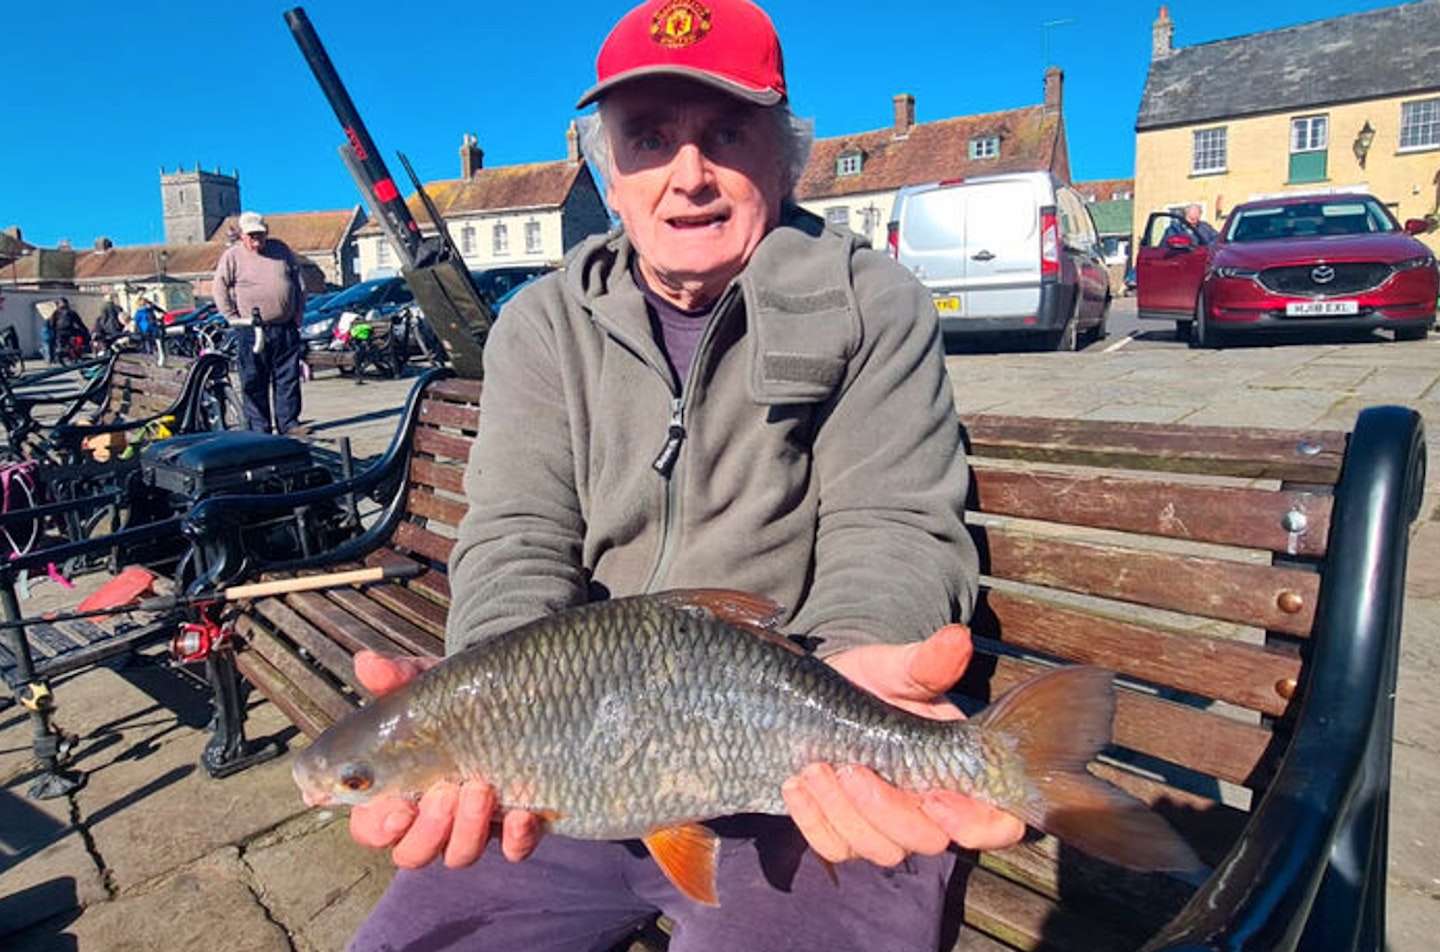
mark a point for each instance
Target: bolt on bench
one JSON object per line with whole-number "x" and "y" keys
{"x": 1245, "y": 586}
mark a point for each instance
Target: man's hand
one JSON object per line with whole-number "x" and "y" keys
{"x": 452, "y": 820}
{"x": 851, "y": 813}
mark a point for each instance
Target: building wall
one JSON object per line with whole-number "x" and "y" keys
{"x": 866, "y": 213}
{"x": 1258, "y": 163}
{"x": 373, "y": 262}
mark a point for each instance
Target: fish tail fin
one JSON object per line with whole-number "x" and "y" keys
{"x": 1058, "y": 722}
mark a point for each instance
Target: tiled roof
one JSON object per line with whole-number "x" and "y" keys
{"x": 1103, "y": 190}
{"x": 135, "y": 260}
{"x": 504, "y": 188}
{"x": 933, "y": 151}
{"x": 1380, "y": 53}
{"x": 304, "y": 232}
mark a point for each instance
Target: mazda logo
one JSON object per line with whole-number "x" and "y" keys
{"x": 1322, "y": 274}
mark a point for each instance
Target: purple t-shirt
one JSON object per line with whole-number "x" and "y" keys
{"x": 678, "y": 331}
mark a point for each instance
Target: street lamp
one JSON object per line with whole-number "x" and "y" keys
{"x": 1363, "y": 141}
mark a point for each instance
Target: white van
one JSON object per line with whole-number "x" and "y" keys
{"x": 1011, "y": 253}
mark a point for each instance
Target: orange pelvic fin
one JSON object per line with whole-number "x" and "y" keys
{"x": 686, "y": 854}
{"x": 1058, "y": 722}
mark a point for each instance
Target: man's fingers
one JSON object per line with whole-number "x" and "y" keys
{"x": 847, "y": 820}
{"x": 938, "y": 662}
{"x": 520, "y": 833}
{"x": 381, "y": 674}
{"x": 972, "y": 824}
{"x": 471, "y": 830}
{"x": 428, "y": 835}
{"x": 810, "y": 819}
{"x": 893, "y": 813}
{"x": 380, "y": 824}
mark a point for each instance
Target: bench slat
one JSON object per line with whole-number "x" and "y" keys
{"x": 438, "y": 443}
{"x": 426, "y": 596}
{"x": 409, "y": 636}
{"x": 426, "y": 472}
{"x": 444, "y": 510}
{"x": 1213, "y": 588}
{"x": 299, "y": 707}
{"x": 412, "y": 538}
{"x": 330, "y": 620}
{"x": 1020, "y": 918}
{"x": 1225, "y": 515}
{"x": 1246, "y": 675}
{"x": 458, "y": 416}
{"x": 456, "y": 390}
{"x": 1298, "y": 456}
{"x": 331, "y": 702}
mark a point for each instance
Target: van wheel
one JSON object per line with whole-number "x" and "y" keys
{"x": 1183, "y": 330}
{"x": 1069, "y": 337}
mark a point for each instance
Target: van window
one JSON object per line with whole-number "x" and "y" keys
{"x": 934, "y": 220}
{"x": 1001, "y": 213}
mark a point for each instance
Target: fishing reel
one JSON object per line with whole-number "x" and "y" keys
{"x": 198, "y": 640}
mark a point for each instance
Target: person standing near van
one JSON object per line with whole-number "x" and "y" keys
{"x": 258, "y": 289}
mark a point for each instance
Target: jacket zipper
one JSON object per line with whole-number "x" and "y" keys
{"x": 669, "y": 454}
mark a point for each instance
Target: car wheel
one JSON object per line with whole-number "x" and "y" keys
{"x": 1204, "y": 336}
{"x": 1183, "y": 331}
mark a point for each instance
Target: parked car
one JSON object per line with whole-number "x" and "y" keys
{"x": 384, "y": 295}
{"x": 1304, "y": 262}
{"x": 496, "y": 285}
{"x": 1014, "y": 253}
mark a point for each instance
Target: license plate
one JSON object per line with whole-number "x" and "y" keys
{"x": 948, "y": 306}
{"x": 1321, "y": 308}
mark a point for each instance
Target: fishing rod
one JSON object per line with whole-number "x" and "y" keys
{"x": 234, "y": 593}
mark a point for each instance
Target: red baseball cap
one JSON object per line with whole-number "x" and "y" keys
{"x": 728, "y": 44}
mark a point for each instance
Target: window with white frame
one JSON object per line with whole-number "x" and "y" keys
{"x": 1309, "y": 147}
{"x": 532, "y": 237}
{"x": 1208, "y": 151}
{"x": 984, "y": 147}
{"x": 1420, "y": 124}
{"x": 467, "y": 240}
{"x": 838, "y": 215}
{"x": 848, "y": 163}
{"x": 500, "y": 239}
{"x": 382, "y": 253}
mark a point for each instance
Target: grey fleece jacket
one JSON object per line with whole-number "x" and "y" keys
{"x": 820, "y": 463}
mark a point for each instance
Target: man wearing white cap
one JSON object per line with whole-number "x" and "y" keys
{"x": 721, "y": 392}
{"x": 258, "y": 289}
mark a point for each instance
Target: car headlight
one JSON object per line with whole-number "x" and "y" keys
{"x": 322, "y": 328}
{"x": 1244, "y": 274}
{"x": 1424, "y": 261}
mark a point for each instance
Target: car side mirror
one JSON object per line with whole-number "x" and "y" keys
{"x": 1180, "y": 243}
{"x": 1416, "y": 226}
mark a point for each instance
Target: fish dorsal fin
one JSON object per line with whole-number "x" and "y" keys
{"x": 754, "y": 613}
{"x": 686, "y": 855}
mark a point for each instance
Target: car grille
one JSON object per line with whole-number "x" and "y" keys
{"x": 1348, "y": 277}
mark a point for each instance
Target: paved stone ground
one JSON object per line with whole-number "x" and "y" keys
{"x": 151, "y": 854}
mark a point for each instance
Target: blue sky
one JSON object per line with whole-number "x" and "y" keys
{"x": 98, "y": 97}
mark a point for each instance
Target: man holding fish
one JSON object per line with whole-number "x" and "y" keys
{"x": 722, "y": 392}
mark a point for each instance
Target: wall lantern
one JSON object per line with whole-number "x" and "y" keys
{"x": 1363, "y": 140}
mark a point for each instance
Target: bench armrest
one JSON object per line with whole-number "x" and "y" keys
{"x": 1301, "y": 874}
{"x": 67, "y": 437}
{"x": 213, "y": 523}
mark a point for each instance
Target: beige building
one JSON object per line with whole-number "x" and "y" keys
{"x": 851, "y": 180}
{"x": 511, "y": 215}
{"x": 1350, "y": 103}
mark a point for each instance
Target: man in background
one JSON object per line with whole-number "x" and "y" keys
{"x": 258, "y": 289}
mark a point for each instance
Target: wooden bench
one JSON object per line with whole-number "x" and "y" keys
{"x": 1245, "y": 585}
{"x": 188, "y": 394}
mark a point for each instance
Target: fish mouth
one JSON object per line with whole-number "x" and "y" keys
{"x": 315, "y": 798}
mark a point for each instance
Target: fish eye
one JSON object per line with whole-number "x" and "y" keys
{"x": 356, "y": 777}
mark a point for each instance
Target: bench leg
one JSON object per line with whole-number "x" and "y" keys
{"x": 228, "y": 752}
{"x": 50, "y": 746}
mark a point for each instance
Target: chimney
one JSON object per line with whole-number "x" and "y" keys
{"x": 1162, "y": 35}
{"x": 904, "y": 114}
{"x": 1054, "y": 88}
{"x": 103, "y": 244}
{"x": 472, "y": 157}
{"x": 572, "y": 142}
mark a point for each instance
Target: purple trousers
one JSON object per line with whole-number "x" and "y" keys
{"x": 582, "y": 895}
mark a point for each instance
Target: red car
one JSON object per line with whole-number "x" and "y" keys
{"x": 1325, "y": 262}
